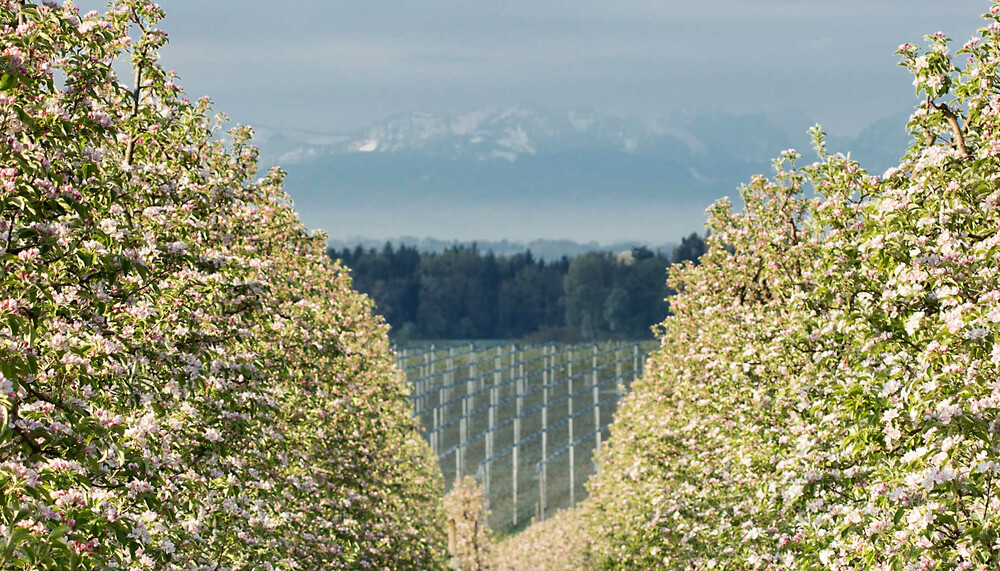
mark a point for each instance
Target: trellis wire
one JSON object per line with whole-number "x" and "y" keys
{"x": 521, "y": 383}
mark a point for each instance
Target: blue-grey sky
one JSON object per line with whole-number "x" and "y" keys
{"x": 337, "y": 65}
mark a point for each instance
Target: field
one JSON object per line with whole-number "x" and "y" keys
{"x": 524, "y": 419}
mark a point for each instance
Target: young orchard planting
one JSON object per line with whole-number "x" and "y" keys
{"x": 525, "y": 419}
{"x": 187, "y": 381}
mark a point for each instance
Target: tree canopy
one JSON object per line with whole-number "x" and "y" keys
{"x": 464, "y": 293}
{"x": 826, "y": 393}
{"x": 187, "y": 381}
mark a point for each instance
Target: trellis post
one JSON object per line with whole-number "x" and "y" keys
{"x": 432, "y": 370}
{"x": 635, "y": 362}
{"x": 572, "y": 451}
{"x": 449, "y": 375}
{"x": 543, "y": 481}
{"x": 597, "y": 399}
{"x": 422, "y": 380}
{"x": 618, "y": 367}
{"x": 519, "y": 398}
{"x": 513, "y": 361}
{"x": 468, "y": 404}
{"x": 491, "y": 422}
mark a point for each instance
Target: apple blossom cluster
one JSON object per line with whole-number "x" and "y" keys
{"x": 470, "y": 539}
{"x": 186, "y": 381}
{"x": 826, "y": 395}
{"x": 557, "y": 544}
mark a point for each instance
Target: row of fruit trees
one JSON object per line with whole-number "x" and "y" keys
{"x": 525, "y": 420}
{"x": 188, "y": 383}
{"x": 826, "y": 394}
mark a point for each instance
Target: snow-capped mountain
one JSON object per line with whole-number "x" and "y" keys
{"x": 498, "y": 133}
{"x": 573, "y": 173}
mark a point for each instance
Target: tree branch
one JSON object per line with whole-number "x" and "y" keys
{"x": 956, "y": 129}
{"x": 130, "y": 149}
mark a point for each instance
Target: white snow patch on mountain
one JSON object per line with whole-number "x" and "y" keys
{"x": 516, "y": 140}
{"x": 468, "y": 123}
{"x": 299, "y": 155}
{"x": 579, "y": 122}
{"x": 506, "y": 155}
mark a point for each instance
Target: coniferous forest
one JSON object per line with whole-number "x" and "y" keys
{"x": 465, "y": 293}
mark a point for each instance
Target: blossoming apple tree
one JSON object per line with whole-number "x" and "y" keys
{"x": 187, "y": 381}
{"x": 827, "y": 395}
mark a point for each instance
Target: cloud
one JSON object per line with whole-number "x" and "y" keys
{"x": 339, "y": 64}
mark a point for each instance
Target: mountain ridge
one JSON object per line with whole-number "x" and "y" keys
{"x": 521, "y": 172}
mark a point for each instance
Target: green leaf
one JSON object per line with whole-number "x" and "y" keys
{"x": 86, "y": 258}
{"x": 6, "y": 82}
{"x": 64, "y": 204}
{"x": 899, "y": 515}
{"x": 58, "y": 532}
{"x": 29, "y": 554}
{"x": 25, "y": 117}
{"x": 17, "y": 536}
{"x": 82, "y": 209}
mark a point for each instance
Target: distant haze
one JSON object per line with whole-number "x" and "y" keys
{"x": 341, "y": 67}
{"x": 338, "y": 65}
{"x": 522, "y": 173}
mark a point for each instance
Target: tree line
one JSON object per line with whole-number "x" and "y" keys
{"x": 466, "y": 293}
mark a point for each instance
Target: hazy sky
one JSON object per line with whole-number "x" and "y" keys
{"x": 340, "y": 65}
{"x": 336, "y": 65}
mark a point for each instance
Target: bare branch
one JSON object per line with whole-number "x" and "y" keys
{"x": 130, "y": 149}
{"x": 956, "y": 128}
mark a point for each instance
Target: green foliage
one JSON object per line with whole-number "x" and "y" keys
{"x": 556, "y": 544}
{"x": 187, "y": 381}
{"x": 465, "y": 294}
{"x": 822, "y": 421}
{"x": 825, "y": 396}
{"x": 470, "y": 540}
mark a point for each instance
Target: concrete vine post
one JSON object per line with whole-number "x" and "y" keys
{"x": 422, "y": 380}
{"x": 519, "y": 398}
{"x": 450, "y": 376}
{"x": 492, "y": 421}
{"x": 468, "y": 404}
{"x": 436, "y": 411}
{"x": 635, "y": 362}
{"x": 569, "y": 413}
{"x": 597, "y": 398}
{"x": 618, "y": 365}
{"x": 547, "y": 363}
